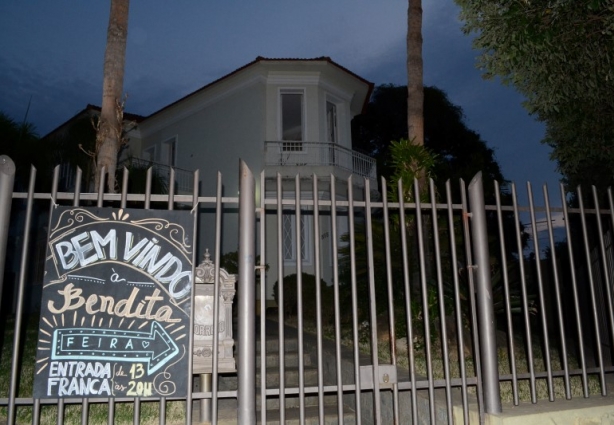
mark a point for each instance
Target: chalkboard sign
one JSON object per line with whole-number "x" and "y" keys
{"x": 116, "y": 304}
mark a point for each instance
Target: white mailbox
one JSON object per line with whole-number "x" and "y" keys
{"x": 203, "y": 319}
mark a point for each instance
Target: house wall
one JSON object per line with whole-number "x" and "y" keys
{"x": 213, "y": 139}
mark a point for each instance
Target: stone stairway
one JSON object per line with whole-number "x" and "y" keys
{"x": 227, "y": 408}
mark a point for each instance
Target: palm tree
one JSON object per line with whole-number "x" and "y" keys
{"x": 415, "y": 91}
{"x": 109, "y": 136}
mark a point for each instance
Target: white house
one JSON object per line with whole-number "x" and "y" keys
{"x": 287, "y": 116}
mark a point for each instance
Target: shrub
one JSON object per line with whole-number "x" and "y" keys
{"x": 290, "y": 307}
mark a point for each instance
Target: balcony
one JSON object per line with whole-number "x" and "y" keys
{"x": 184, "y": 179}
{"x": 321, "y": 154}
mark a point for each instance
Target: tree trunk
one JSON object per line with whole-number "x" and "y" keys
{"x": 415, "y": 88}
{"x": 415, "y": 117}
{"x": 109, "y": 137}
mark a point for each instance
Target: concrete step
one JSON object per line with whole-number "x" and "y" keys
{"x": 272, "y": 345}
{"x": 291, "y": 376}
{"x": 291, "y": 359}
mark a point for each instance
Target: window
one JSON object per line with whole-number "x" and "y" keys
{"x": 292, "y": 120}
{"x": 289, "y": 237}
{"x": 331, "y": 131}
{"x": 169, "y": 152}
{"x": 331, "y": 122}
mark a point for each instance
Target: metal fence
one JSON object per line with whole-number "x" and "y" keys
{"x": 434, "y": 309}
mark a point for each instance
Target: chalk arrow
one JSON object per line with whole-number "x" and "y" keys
{"x": 156, "y": 347}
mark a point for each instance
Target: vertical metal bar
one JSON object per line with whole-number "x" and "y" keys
{"x": 246, "y": 361}
{"x": 36, "y": 411}
{"x": 425, "y": 301}
{"x": 457, "y": 305}
{"x": 591, "y": 282}
{"x": 280, "y": 313}
{"x": 205, "y": 403}
{"x": 299, "y": 297}
{"x": 123, "y": 203}
{"x": 337, "y": 305}
{"x": 162, "y": 412}
{"x": 124, "y": 190}
{"x": 75, "y": 203}
{"x": 136, "y": 412}
{"x": 194, "y": 212}
{"x": 7, "y": 178}
{"x": 77, "y": 193}
{"x": 148, "y": 179}
{"x": 391, "y": 307}
{"x": 440, "y": 296}
{"x": 136, "y": 418}
{"x": 542, "y": 301}
{"x": 316, "y": 240}
{"x": 557, "y": 290}
{"x": 101, "y": 183}
{"x": 408, "y": 309}
{"x": 486, "y": 314}
{"x": 20, "y": 300}
{"x": 357, "y": 389}
{"x": 171, "y": 190}
{"x": 372, "y": 305}
{"x": 471, "y": 289}
{"x": 574, "y": 285}
{"x": 261, "y": 266}
{"x": 147, "y": 205}
{"x": 604, "y": 262}
{"x": 216, "y": 294}
{"x": 525, "y": 298}
{"x": 506, "y": 292}
{"x": 52, "y": 205}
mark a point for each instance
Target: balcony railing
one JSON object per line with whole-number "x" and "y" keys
{"x": 294, "y": 154}
{"x": 184, "y": 179}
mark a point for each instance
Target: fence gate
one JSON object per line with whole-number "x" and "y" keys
{"x": 374, "y": 319}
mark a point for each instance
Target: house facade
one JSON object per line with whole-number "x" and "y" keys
{"x": 286, "y": 116}
{"x": 281, "y": 116}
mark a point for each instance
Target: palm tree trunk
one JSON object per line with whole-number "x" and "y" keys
{"x": 109, "y": 137}
{"x": 415, "y": 112}
{"x": 415, "y": 88}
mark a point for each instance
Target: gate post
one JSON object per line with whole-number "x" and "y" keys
{"x": 486, "y": 314}
{"x": 246, "y": 299}
{"x": 7, "y": 178}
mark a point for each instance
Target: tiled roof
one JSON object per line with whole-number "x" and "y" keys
{"x": 86, "y": 111}
{"x": 139, "y": 118}
{"x": 263, "y": 59}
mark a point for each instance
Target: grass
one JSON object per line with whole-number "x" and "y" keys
{"x": 97, "y": 413}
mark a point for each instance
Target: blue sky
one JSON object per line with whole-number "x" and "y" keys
{"x": 52, "y": 52}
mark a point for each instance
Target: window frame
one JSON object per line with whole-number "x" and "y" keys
{"x": 170, "y": 160}
{"x": 292, "y": 145}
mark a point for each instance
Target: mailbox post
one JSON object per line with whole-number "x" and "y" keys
{"x": 203, "y": 327}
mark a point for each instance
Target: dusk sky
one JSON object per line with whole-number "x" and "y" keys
{"x": 52, "y": 52}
